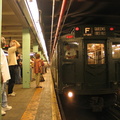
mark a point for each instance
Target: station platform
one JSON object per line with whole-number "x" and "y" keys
{"x": 34, "y": 103}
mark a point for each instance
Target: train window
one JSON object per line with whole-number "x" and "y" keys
{"x": 115, "y": 50}
{"x": 71, "y": 50}
{"x": 95, "y": 53}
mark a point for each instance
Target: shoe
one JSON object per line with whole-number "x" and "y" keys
{"x": 42, "y": 80}
{"x": 39, "y": 87}
{"x": 6, "y": 108}
{"x": 12, "y": 94}
{"x": 3, "y": 112}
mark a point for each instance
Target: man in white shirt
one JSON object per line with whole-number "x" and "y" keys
{"x": 12, "y": 62}
{"x": 5, "y": 77}
{"x": 70, "y": 53}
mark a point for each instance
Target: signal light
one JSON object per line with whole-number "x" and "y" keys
{"x": 77, "y": 28}
{"x": 78, "y": 32}
{"x": 111, "y": 28}
{"x": 69, "y": 36}
{"x": 6, "y": 45}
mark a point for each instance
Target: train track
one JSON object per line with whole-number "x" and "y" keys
{"x": 113, "y": 113}
{"x": 69, "y": 112}
{"x": 61, "y": 108}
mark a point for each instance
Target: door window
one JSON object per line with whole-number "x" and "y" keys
{"x": 71, "y": 50}
{"x": 95, "y": 53}
{"x": 115, "y": 50}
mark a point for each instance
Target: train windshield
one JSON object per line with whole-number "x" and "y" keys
{"x": 95, "y": 53}
{"x": 71, "y": 50}
{"x": 115, "y": 50}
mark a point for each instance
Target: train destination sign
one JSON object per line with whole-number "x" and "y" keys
{"x": 90, "y": 31}
{"x": 94, "y": 31}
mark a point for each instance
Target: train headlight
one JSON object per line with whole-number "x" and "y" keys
{"x": 70, "y": 94}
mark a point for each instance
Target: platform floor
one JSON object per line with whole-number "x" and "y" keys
{"x": 34, "y": 103}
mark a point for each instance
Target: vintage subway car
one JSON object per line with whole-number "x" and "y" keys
{"x": 91, "y": 69}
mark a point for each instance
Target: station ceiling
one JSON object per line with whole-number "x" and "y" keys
{"x": 74, "y": 13}
{"x": 13, "y": 22}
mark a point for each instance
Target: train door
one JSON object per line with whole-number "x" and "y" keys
{"x": 69, "y": 61}
{"x": 114, "y": 61}
{"x": 95, "y": 64}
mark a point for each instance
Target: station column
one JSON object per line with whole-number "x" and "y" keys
{"x": 0, "y": 47}
{"x": 26, "y": 57}
{"x": 35, "y": 48}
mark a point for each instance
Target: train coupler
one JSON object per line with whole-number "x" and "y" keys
{"x": 97, "y": 104}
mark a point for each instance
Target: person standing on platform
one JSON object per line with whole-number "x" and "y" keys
{"x": 5, "y": 76}
{"x": 18, "y": 72}
{"x": 42, "y": 71}
{"x": 12, "y": 62}
{"x": 32, "y": 68}
{"x": 46, "y": 65}
{"x": 37, "y": 69}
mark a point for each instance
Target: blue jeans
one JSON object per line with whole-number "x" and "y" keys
{"x": 13, "y": 70}
{"x": 4, "y": 96}
{"x": 18, "y": 75}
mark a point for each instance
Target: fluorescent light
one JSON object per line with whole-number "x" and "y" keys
{"x": 34, "y": 14}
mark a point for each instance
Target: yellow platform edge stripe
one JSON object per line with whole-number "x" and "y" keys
{"x": 32, "y": 107}
{"x": 55, "y": 109}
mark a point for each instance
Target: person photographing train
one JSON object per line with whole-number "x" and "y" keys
{"x": 12, "y": 62}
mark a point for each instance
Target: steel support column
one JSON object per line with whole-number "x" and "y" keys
{"x": 26, "y": 58}
{"x": 0, "y": 47}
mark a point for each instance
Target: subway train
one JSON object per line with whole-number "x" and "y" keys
{"x": 86, "y": 63}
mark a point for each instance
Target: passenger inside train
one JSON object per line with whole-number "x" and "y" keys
{"x": 70, "y": 52}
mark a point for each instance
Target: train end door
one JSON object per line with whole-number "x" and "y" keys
{"x": 95, "y": 65}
